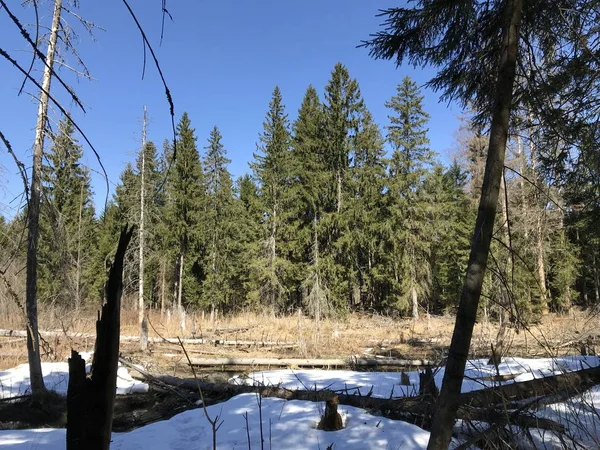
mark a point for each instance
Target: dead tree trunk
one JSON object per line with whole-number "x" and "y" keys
{"x": 447, "y": 404}
{"x": 90, "y": 401}
{"x": 33, "y": 212}
{"x": 141, "y": 311}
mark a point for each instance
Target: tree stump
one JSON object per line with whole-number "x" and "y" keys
{"x": 331, "y": 420}
{"x": 430, "y": 392}
{"x": 90, "y": 400}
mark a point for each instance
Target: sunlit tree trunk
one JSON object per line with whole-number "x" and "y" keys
{"x": 141, "y": 312}
{"x": 33, "y": 214}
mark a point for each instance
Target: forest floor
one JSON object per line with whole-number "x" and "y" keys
{"x": 295, "y": 336}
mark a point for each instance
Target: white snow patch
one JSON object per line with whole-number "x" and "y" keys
{"x": 285, "y": 424}
{"x": 15, "y": 382}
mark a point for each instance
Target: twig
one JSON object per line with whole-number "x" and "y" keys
{"x": 39, "y": 54}
{"x": 213, "y": 422}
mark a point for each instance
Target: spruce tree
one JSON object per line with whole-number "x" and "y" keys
{"x": 409, "y": 229}
{"x": 186, "y": 203}
{"x": 362, "y": 243}
{"x": 219, "y": 223}
{"x": 309, "y": 188}
{"x": 452, "y": 214}
{"x": 343, "y": 107}
{"x": 271, "y": 167}
{"x": 248, "y": 222}
{"x": 67, "y": 225}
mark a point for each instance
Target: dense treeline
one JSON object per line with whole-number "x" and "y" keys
{"x": 330, "y": 218}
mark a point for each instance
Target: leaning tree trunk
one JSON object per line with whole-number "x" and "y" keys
{"x": 33, "y": 212}
{"x": 448, "y": 401}
{"x": 90, "y": 401}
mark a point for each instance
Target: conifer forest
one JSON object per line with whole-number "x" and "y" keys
{"x": 352, "y": 238}
{"x": 326, "y": 219}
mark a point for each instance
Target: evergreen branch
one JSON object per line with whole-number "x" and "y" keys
{"x": 39, "y": 54}
{"x": 65, "y": 113}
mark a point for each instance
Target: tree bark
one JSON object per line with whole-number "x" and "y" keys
{"x": 33, "y": 212}
{"x": 78, "y": 267}
{"x": 539, "y": 230}
{"x": 141, "y": 312}
{"x": 180, "y": 283}
{"x": 447, "y": 404}
{"x": 90, "y": 401}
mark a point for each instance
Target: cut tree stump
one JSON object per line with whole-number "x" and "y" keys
{"x": 331, "y": 420}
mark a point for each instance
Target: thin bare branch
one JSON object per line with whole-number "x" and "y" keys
{"x": 165, "y": 12}
{"x": 39, "y": 54}
{"x": 65, "y": 113}
{"x": 156, "y": 63}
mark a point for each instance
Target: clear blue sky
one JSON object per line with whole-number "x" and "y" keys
{"x": 221, "y": 60}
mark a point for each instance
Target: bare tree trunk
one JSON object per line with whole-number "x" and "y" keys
{"x": 339, "y": 191}
{"x": 539, "y": 229}
{"x": 141, "y": 318}
{"x": 180, "y": 287}
{"x": 33, "y": 214}
{"x": 415, "y": 302}
{"x": 505, "y": 305}
{"x": 522, "y": 167}
{"x": 162, "y": 287}
{"x": 78, "y": 267}
{"x": 596, "y": 278}
{"x": 272, "y": 258}
{"x": 447, "y": 404}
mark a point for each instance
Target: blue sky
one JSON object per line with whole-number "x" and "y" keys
{"x": 221, "y": 60}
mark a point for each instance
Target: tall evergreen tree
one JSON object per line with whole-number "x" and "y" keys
{"x": 343, "y": 105}
{"x": 452, "y": 214}
{"x": 271, "y": 168}
{"x": 186, "y": 203}
{"x": 309, "y": 187}
{"x": 219, "y": 223}
{"x": 68, "y": 224}
{"x": 362, "y": 243}
{"x": 343, "y": 109}
{"x": 408, "y": 206}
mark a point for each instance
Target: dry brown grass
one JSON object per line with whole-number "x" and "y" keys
{"x": 354, "y": 334}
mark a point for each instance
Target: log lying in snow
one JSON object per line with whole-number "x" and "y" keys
{"x": 293, "y": 362}
{"x": 561, "y": 386}
{"x": 22, "y": 333}
{"x": 410, "y": 409}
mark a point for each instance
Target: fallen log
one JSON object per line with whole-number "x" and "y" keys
{"x": 295, "y": 362}
{"x": 561, "y": 386}
{"x": 22, "y": 333}
{"x": 410, "y": 409}
{"x": 233, "y": 330}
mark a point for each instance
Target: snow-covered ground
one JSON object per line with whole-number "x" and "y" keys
{"x": 384, "y": 384}
{"x": 286, "y": 425}
{"x": 291, "y": 424}
{"x": 15, "y": 382}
